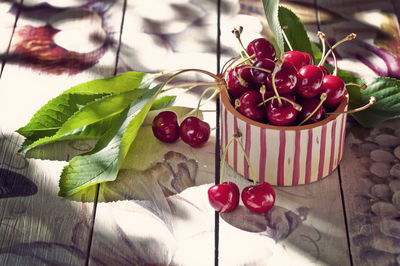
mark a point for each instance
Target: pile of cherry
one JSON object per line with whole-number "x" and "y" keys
{"x": 287, "y": 91}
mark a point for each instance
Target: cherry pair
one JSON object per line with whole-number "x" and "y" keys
{"x": 257, "y": 198}
{"x": 224, "y": 197}
{"x": 192, "y": 130}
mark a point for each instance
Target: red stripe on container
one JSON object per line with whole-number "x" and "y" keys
{"x": 281, "y": 158}
{"x": 344, "y": 134}
{"x": 333, "y": 146}
{"x": 296, "y": 163}
{"x": 226, "y": 133}
{"x": 247, "y": 146}
{"x": 235, "y": 144}
{"x": 263, "y": 155}
{"x": 322, "y": 153}
{"x": 309, "y": 157}
{"x": 341, "y": 141}
{"x": 222, "y": 133}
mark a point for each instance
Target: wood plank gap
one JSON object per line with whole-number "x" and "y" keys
{"x": 98, "y": 185}
{"x": 217, "y": 136}
{"x": 120, "y": 38}
{"x": 92, "y": 224}
{"x": 345, "y": 216}
{"x": 317, "y": 17}
{"x": 4, "y": 56}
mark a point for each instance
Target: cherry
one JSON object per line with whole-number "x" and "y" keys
{"x": 165, "y": 126}
{"x": 324, "y": 70}
{"x": 224, "y": 197}
{"x": 334, "y": 88}
{"x": 309, "y": 81}
{"x": 309, "y": 58}
{"x": 260, "y": 76}
{"x": 259, "y": 198}
{"x": 239, "y": 85}
{"x": 308, "y": 107}
{"x": 248, "y": 106}
{"x": 297, "y": 58}
{"x": 281, "y": 114}
{"x": 194, "y": 131}
{"x": 261, "y": 48}
{"x": 285, "y": 78}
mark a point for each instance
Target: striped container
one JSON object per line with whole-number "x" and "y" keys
{"x": 283, "y": 156}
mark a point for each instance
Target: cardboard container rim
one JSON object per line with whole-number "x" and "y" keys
{"x": 225, "y": 101}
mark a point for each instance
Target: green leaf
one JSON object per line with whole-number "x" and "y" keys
{"x": 294, "y": 30}
{"x": 271, "y": 13}
{"x": 387, "y": 106}
{"x": 76, "y": 127}
{"x": 163, "y": 102}
{"x": 49, "y": 119}
{"x": 117, "y": 84}
{"x": 104, "y": 161}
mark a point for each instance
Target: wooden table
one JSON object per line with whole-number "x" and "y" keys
{"x": 157, "y": 211}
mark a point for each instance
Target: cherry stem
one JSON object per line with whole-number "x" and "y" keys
{"x": 263, "y": 89}
{"x": 216, "y": 77}
{"x": 247, "y": 160}
{"x": 191, "y": 85}
{"x": 229, "y": 63}
{"x": 372, "y": 100}
{"x": 362, "y": 86}
{"x": 323, "y": 98}
{"x": 333, "y": 54}
{"x": 223, "y": 159}
{"x": 321, "y": 36}
{"x": 295, "y": 105}
{"x": 286, "y": 38}
{"x": 237, "y": 103}
{"x": 237, "y": 33}
{"x": 278, "y": 64}
{"x": 349, "y": 37}
{"x": 216, "y": 92}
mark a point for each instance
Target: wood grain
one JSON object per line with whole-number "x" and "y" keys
{"x": 366, "y": 169}
{"x": 148, "y": 215}
{"x": 51, "y": 50}
{"x": 7, "y": 20}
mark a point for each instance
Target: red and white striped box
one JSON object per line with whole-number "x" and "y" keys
{"x": 283, "y": 156}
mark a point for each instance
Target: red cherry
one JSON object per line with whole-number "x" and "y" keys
{"x": 309, "y": 58}
{"x": 224, "y": 197}
{"x": 297, "y": 58}
{"x": 165, "y": 126}
{"x": 249, "y": 106}
{"x": 324, "y": 70}
{"x": 307, "y": 107}
{"x": 235, "y": 87}
{"x": 259, "y": 76}
{"x": 285, "y": 78}
{"x": 334, "y": 88}
{"x": 194, "y": 131}
{"x": 261, "y": 48}
{"x": 281, "y": 115}
{"x": 259, "y": 198}
{"x": 309, "y": 81}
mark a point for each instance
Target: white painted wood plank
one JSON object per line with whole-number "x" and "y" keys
{"x": 53, "y": 48}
